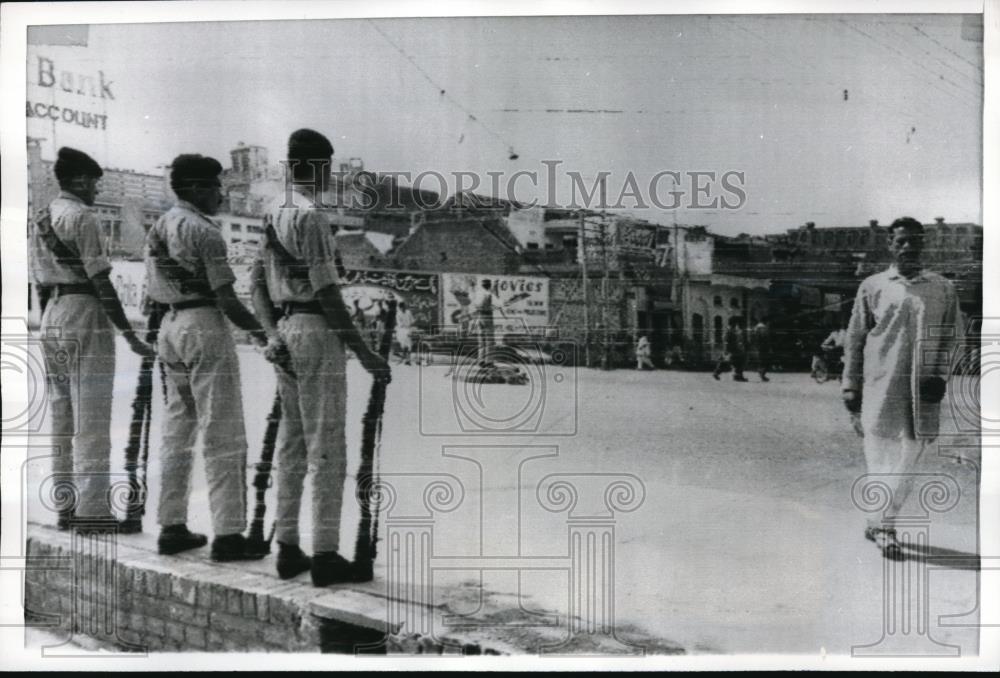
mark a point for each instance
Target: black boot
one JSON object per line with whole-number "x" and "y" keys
{"x": 131, "y": 525}
{"x": 292, "y": 561}
{"x": 230, "y": 547}
{"x": 176, "y": 538}
{"x": 329, "y": 567}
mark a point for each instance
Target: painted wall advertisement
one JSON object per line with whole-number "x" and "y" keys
{"x": 520, "y": 303}
{"x": 418, "y": 290}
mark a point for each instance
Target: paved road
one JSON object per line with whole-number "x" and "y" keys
{"x": 746, "y": 539}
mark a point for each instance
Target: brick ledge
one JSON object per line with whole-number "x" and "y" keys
{"x": 188, "y": 603}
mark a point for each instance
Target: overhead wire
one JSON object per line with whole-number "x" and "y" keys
{"x": 443, "y": 92}
{"x": 978, "y": 83}
{"x": 931, "y": 82}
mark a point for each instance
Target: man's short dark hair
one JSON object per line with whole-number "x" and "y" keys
{"x": 907, "y": 223}
{"x": 72, "y": 163}
{"x": 307, "y": 150}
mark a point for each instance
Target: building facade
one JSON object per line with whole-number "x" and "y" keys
{"x": 128, "y": 202}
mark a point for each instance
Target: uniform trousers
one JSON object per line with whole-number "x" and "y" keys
{"x": 312, "y": 435}
{"x": 204, "y": 396}
{"x": 78, "y": 343}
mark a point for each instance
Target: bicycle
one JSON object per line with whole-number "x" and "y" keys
{"x": 822, "y": 364}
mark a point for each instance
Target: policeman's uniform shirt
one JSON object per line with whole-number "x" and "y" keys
{"x": 304, "y": 229}
{"x": 195, "y": 242}
{"x": 77, "y": 227}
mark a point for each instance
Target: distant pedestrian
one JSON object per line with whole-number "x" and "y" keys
{"x": 642, "y": 353}
{"x": 404, "y": 331}
{"x": 734, "y": 355}
{"x": 482, "y": 308}
{"x": 378, "y": 327}
{"x": 830, "y": 359}
{"x": 761, "y": 338}
{"x": 359, "y": 318}
{"x": 900, "y": 316}
{"x": 675, "y": 357}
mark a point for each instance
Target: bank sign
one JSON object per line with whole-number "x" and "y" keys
{"x": 67, "y": 96}
{"x": 520, "y": 302}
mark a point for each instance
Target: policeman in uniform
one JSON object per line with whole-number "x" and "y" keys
{"x": 188, "y": 272}
{"x": 69, "y": 263}
{"x": 297, "y": 271}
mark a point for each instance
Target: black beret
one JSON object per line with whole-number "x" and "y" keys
{"x": 191, "y": 169}
{"x": 307, "y": 144}
{"x": 73, "y": 163}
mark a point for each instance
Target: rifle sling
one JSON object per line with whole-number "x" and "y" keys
{"x": 189, "y": 283}
{"x": 62, "y": 252}
{"x": 296, "y": 269}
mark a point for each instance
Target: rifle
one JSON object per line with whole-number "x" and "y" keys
{"x": 366, "y": 546}
{"x": 262, "y": 481}
{"x": 262, "y": 469}
{"x": 138, "y": 434}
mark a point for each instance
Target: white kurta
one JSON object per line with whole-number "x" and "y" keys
{"x": 900, "y": 332}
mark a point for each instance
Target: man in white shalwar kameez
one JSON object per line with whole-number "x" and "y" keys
{"x": 903, "y": 320}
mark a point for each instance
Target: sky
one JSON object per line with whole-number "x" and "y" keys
{"x": 761, "y": 95}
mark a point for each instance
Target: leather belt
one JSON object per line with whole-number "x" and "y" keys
{"x": 60, "y": 289}
{"x": 193, "y": 303}
{"x": 292, "y": 307}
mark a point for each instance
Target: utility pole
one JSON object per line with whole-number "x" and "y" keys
{"x": 586, "y": 294}
{"x": 604, "y": 294}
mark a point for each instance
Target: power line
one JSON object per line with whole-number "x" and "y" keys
{"x": 978, "y": 67}
{"x": 907, "y": 115}
{"x": 443, "y": 92}
{"x": 932, "y": 83}
{"x": 977, "y": 82}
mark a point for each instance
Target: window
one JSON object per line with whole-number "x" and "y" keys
{"x": 236, "y": 228}
{"x": 532, "y": 245}
{"x": 717, "y": 301}
{"x": 251, "y": 228}
{"x": 734, "y": 303}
